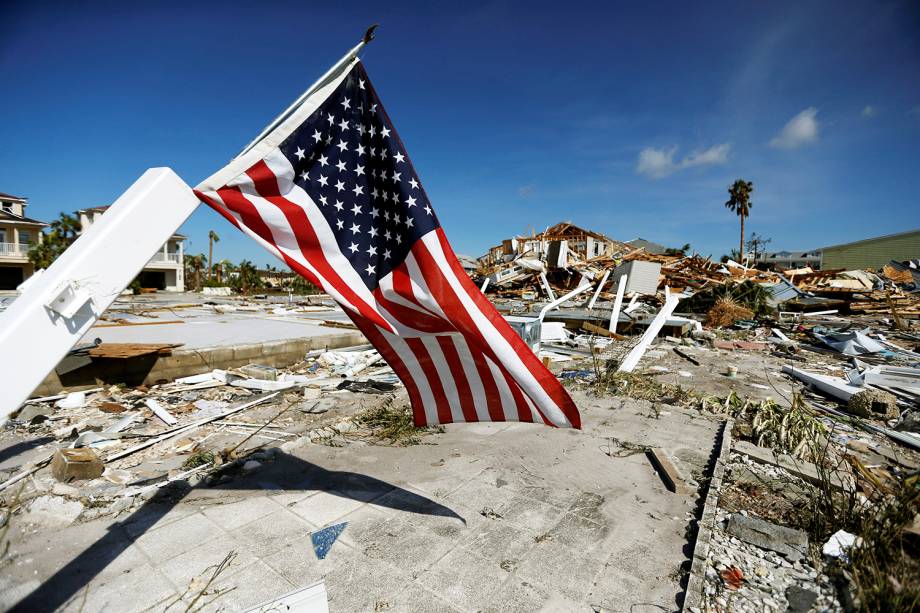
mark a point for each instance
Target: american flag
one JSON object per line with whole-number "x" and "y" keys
{"x": 332, "y": 192}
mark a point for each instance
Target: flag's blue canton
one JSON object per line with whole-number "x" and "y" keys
{"x": 349, "y": 159}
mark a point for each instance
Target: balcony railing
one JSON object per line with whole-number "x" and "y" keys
{"x": 14, "y": 249}
{"x": 166, "y": 257}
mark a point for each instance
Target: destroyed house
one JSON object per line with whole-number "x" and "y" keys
{"x": 17, "y": 235}
{"x": 585, "y": 243}
{"x": 164, "y": 271}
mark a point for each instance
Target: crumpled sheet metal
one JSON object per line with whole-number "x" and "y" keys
{"x": 851, "y": 343}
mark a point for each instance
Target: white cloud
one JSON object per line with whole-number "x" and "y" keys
{"x": 659, "y": 163}
{"x": 800, "y": 130}
{"x": 869, "y": 111}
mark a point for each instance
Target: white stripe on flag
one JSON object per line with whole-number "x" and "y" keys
{"x": 510, "y": 360}
{"x": 421, "y": 381}
{"x": 472, "y": 376}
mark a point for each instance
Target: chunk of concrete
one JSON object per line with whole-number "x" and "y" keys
{"x": 878, "y": 404}
{"x": 800, "y": 600}
{"x": 839, "y": 479}
{"x": 791, "y": 543}
{"x": 259, "y": 371}
{"x": 76, "y": 464}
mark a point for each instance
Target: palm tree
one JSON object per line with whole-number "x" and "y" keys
{"x": 212, "y": 238}
{"x": 248, "y": 277}
{"x": 739, "y": 202}
{"x": 194, "y": 264}
{"x": 222, "y": 267}
{"x": 63, "y": 231}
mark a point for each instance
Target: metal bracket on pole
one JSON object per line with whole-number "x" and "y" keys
{"x": 55, "y": 309}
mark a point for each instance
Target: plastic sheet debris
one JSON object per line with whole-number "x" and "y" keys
{"x": 325, "y": 538}
{"x": 73, "y": 400}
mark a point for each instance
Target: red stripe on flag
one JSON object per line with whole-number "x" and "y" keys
{"x": 459, "y": 374}
{"x": 434, "y": 381}
{"x": 402, "y": 285}
{"x": 266, "y": 184}
{"x": 546, "y": 379}
{"x": 412, "y": 318}
{"x": 453, "y": 307}
{"x": 380, "y": 343}
{"x": 217, "y": 207}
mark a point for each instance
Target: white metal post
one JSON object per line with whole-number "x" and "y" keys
{"x": 600, "y": 286}
{"x": 546, "y": 287}
{"x": 632, "y": 359}
{"x": 617, "y": 303}
{"x": 555, "y": 303}
{"x": 61, "y": 304}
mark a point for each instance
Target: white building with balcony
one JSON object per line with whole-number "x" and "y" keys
{"x": 165, "y": 269}
{"x": 17, "y": 235}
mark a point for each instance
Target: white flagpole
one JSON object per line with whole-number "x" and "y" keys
{"x": 329, "y": 75}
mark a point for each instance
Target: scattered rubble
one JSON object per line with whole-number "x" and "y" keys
{"x": 819, "y": 371}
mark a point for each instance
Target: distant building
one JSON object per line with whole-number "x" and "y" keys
{"x": 872, "y": 252}
{"x": 649, "y": 246}
{"x": 165, "y": 269}
{"x": 273, "y": 278}
{"x": 787, "y": 260}
{"x": 17, "y": 235}
{"x": 468, "y": 263}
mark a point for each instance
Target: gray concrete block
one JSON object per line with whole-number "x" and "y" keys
{"x": 786, "y": 541}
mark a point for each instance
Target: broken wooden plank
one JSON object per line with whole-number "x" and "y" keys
{"x": 119, "y": 324}
{"x": 669, "y": 473}
{"x": 131, "y": 350}
{"x": 686, "y": 356}
{"x": 838, "y": 479}
{"x": 589, "y": 327}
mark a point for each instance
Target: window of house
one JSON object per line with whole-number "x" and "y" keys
{"x": 25, "y": 237}
{"x": 7, "y": 207}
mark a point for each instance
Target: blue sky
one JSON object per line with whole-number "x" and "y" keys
{"x": 628, "y": 118}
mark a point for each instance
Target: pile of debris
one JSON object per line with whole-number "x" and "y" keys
{"x": 106, "y": 450}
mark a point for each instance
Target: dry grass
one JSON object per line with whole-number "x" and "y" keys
{"x": 883, "y": 572}
{"x": 726, "y": 312}
{"x": 641, "y": 387}
{"x": 795, "y": 431}
{"x": 393, "y": 425}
